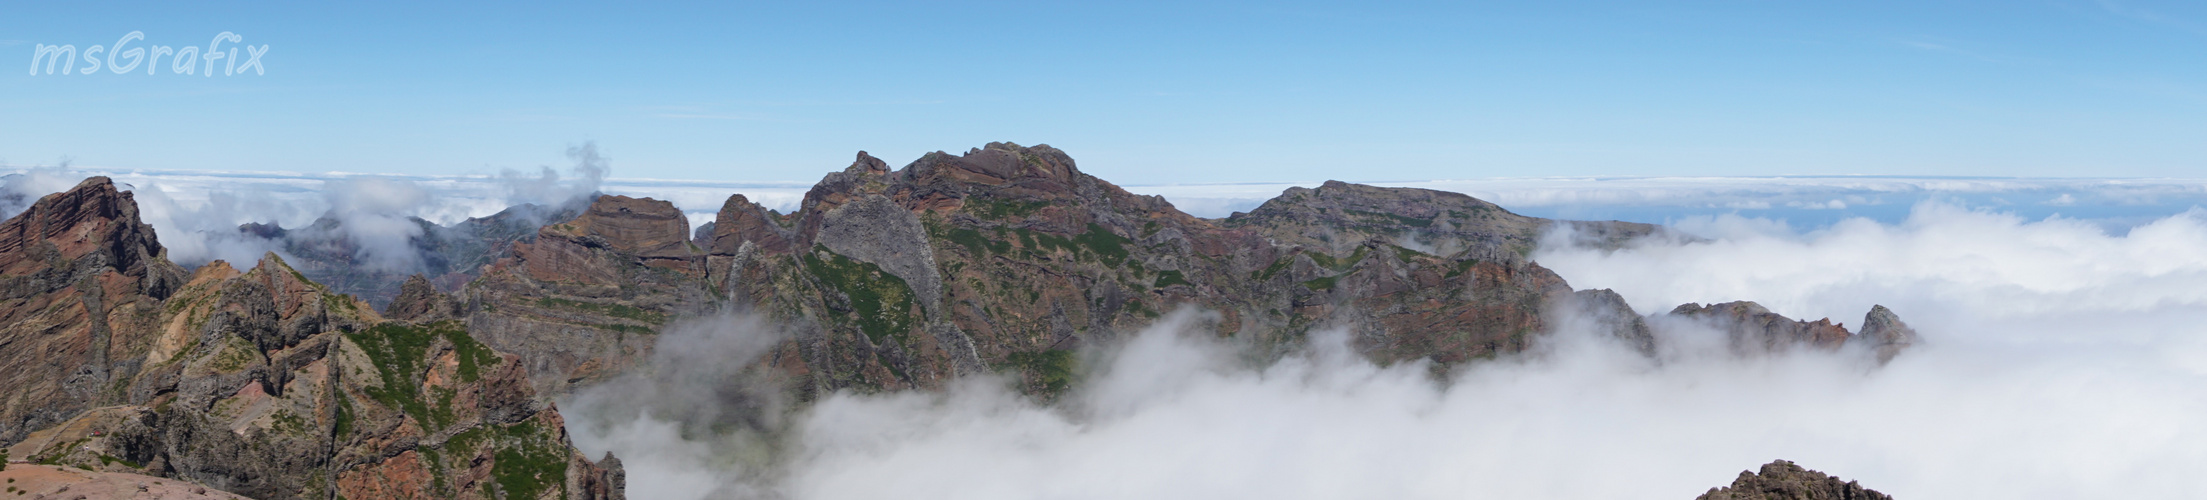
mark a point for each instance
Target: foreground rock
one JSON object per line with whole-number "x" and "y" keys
{"x": 1782, "y": 480}
{"x": 44, "y": 482}
{"x": 259, "y": 382}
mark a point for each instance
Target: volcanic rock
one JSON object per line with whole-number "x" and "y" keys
{"x": 260, "y": 383}
{"x": 1782, "y": 480}
{"x": 1886, "y": 334}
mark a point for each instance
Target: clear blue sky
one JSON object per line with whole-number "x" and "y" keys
{"x": 1139, "y": 93}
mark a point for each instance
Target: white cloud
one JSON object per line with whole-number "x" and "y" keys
{"x": 2061, "y": 362}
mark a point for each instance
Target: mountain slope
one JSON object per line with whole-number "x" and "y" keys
{"x": 258, "y": 382}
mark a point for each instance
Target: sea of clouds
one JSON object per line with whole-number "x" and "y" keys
{"x": 2060, "y": 360}
{"x": 2064, "y": 356}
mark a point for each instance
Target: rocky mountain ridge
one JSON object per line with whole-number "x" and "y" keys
{"x": 260, "y": 382}
{"x": 1006, "y": 259}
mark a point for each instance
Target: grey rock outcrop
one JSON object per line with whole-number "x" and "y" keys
{"x": 1610, "y": 314}
{"x": 1783, "y": 480}
{"x": 1752, "y": 329}
{"x": 1886, "y": 334}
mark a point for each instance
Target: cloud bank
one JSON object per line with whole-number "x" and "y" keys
{"x": 2060, "y": 361}
{"x": 1812, "y": 201}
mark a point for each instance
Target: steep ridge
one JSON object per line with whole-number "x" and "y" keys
{"x": 450, "y": 256}
{"x": 83, "y": 282}
{"x": 1007, "y": 258}
{"x": 261, "y": 382}
{"x": 582, "y": 299}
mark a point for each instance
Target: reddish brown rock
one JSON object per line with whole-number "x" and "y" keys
{"x": 260, "y": 383}
{"x": 81, "y": 285}
{"x": 1751, "y": 328}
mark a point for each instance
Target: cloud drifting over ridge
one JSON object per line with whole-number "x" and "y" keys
{"x": 2064, "y": 358}
{"x": 196, "y": 213}
{"x": 2061, "y": 361}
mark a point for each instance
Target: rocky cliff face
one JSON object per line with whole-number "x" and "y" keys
{"x": 258, "y": 382}
{"x": 1006, "y": 257}
{"x": 82, "y": 283}
{"x": 583, "y": 298}
{"x": 1782, "y": 480}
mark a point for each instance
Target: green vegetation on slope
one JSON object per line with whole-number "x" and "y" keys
{"x": 882, "y": 300}
{"x": 400, "y": 353}
{"x": 622, "y": 311}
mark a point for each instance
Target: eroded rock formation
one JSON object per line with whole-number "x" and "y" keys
{"x": 1782, "y": 480}
{"x": 259, "y": 382}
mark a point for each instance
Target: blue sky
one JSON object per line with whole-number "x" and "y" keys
{"x": 1140, "y": 93}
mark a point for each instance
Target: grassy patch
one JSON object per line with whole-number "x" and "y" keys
{"x": 1053, "y": 370}
{"x": 530, "y": 464}
{"x": 995, "y": 209}
{"x": 1108, "y": 246}
{"x": 976, "y": 244}
{"x": 1387, "y": 217}
{"x": 622, "y": 311}
{"x": 527, "y": 460}
{"x": 106, "y": 459}
{"x": 1463, "y": 266}
{"x": 400, "y": 353}
{"x": 882, "y": 300}
{"x": 1322, "y": 284}
{"x": 1278, "y": 265}
{"x": 343, "y": 417}
{"x": 1407, "y": 255}
{"x": 235, "y": 355}
{"x": 1170, "y": 278}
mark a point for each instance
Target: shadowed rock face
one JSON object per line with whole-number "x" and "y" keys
{"x": 1751, "y": 328}
{"x": 1886, "y": 333}
{"x": 259, "y": 382}
{"x": 583, "y": 298}
{"x": 1782, "y": 480}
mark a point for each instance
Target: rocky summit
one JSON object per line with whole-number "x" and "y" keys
{"x": 256, "y": 382}
{"x": 283, "y": 380}
{"x": 1782, "y": 480}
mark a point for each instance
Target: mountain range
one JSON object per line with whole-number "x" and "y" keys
{"x": 310, "y": 374}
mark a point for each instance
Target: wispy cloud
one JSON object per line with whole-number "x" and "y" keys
{"x": 2151, "y": 17}
{"x": 715, "y": 116}
{"x": 1946, "y": 47}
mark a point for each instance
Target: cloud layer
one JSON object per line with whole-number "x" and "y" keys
{"x": 2064, "y": 356}
{"x": 2060, "y": 361}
